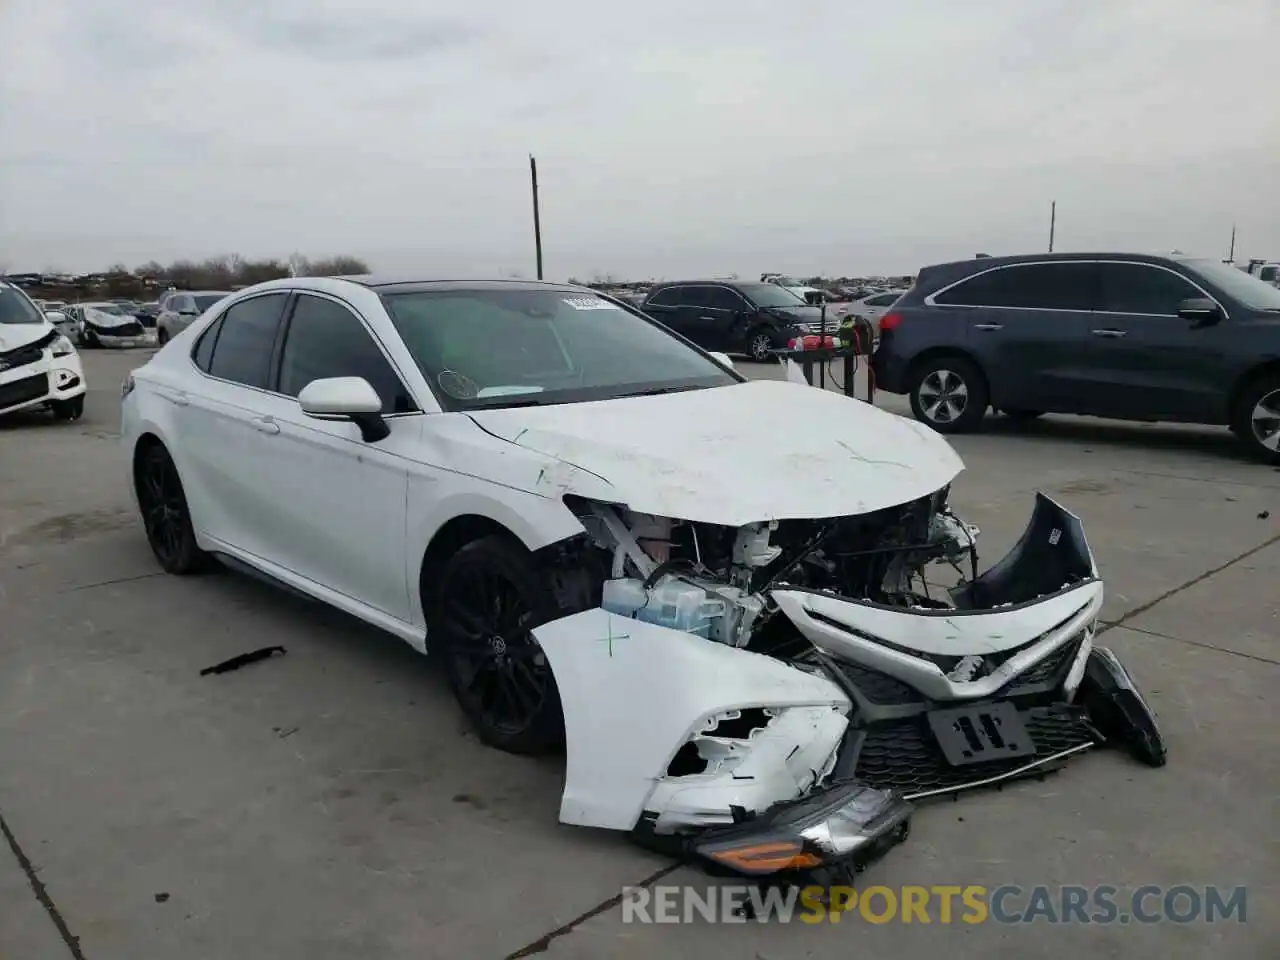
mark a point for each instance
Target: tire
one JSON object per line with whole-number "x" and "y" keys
{"x": 162, "y": 336}
{"x": 759, "y": 345}
{"x": 938, "y": 383}
{"x": 68, "y": 410}
{"x": 1016, "y": 414}
{"x": 484, "y": 605}
{"x": 1258, "y": 432}
{"x": 165, "y": 513}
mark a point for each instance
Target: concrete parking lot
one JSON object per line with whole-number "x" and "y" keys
{"x": 331, "y": 803}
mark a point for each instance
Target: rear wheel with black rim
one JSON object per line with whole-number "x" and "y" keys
{"x": 162, "y": 336}
{"x": 759, "y": 345}
{"x": 949, "y": 393}
{"x": 1256, "y": 419}
{"x": 165, "y": 514}
{"x": 485, "y": 603}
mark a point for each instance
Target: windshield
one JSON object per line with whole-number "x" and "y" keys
{"x": 484, "y": 348}
{"x": 769, "y": 295}
{"x": 16, "y": 307}
{"x": 206, "y": 300}
{"x": 1237, "y": 284}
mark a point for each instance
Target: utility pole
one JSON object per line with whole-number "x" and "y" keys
{"x": 537, "y": 217}
{"x": 1231, "y": 257}
{"x": 1053, "y": 222}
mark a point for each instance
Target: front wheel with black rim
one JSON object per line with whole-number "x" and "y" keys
{"x": 1257, "y": 419}
{"x": 165, "y": 514}
{"x": 68, "y": 410}
{"x": 485, "y": 603}
{"x": 759, "y": 345}
{"x": 162, "y": 336}
{"x": 949, "y": 393}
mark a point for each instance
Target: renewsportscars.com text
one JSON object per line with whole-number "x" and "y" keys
{"x": 939, "y": 904}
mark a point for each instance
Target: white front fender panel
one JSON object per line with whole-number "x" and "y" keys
{"x": 634, "y": 694}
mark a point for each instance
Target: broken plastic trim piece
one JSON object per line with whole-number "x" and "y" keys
{"x": 843, "y": 825}
{"x": 1118, "y": 710}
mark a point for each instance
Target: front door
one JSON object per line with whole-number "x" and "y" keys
{"x": 1146, "y": 362}
{"x": 340, "y": 511}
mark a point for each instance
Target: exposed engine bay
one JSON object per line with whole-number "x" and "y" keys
{"x": 772, "y": 698}
{"x": 715, "y": 581}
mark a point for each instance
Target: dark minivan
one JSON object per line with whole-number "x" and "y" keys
{"x": 731, "y": 317}
{"x": 1126, "y": 336}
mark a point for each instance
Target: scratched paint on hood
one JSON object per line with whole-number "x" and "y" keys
{"x": 760, "y": 450}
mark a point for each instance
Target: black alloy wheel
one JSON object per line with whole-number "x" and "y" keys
{"x": 165, "y": 513}
{"x": 488, "y": 599}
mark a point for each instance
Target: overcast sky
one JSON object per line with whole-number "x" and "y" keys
{"x": 673, "y": 137}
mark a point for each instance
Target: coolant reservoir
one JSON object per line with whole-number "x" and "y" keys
{"x": 670, "y": 602}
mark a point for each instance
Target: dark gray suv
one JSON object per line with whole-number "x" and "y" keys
{"x": 1126, "y": 336}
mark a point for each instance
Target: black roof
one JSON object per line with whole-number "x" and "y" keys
{"x": 986, "y": 262}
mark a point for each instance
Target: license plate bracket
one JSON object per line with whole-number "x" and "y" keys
{"x": 980, "y": 733}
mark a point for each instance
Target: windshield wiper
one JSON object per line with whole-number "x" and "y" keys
{"x": 655, "y": 391}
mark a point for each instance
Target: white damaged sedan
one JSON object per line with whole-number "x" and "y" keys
{"x": 711, "y": 591}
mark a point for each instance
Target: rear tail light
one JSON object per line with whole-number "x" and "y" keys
{"x": 890, "y": 321}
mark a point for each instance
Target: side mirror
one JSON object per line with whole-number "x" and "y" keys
{"x": 722, "y": 358}
{"x": 346, "y": 398}
{"x": 1201, "y": 311}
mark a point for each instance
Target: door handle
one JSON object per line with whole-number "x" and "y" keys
{"x": 988, "y": 326}
{"x": 1110, "y": 333}
{"x": 706, "y": 318}
{"x": 265, "y": 425}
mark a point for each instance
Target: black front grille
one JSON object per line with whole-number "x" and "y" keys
{"x": 22, "y": 356}
{"x": 131, "y": 329}
{"x": 20, "y": 391}
{"x": 904, "y": 755}
{"x": 879, "y": 688}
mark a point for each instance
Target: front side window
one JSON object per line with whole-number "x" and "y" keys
{"x": 769, "y": 295}
{"x": 669, "y": 297}
{"x": 324, "y": 340}
{"x": 16, "y": 307}
{"x": 242, "y": 353}
{"x": 1139, "y": 288}
{"x": 498, "y": 347}
{"x": 1065, "y": 285}
{"x": 722, "y": 298}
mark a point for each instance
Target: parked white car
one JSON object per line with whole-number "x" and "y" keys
{"x": 873, "y": 307}
{"x": 39, "y": 367}
{"x": 709, "y": 589}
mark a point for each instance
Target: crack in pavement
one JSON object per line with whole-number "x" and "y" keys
{"x": 1194, "y": 581}
{"x": 1201, "y": 644}
{"x": 543, "y": 943}
{"x": 42, "y": 894}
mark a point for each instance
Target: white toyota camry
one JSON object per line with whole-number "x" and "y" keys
{"x": 710, "y": 590}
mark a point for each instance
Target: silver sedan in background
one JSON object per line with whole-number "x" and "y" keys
{"x": 181, "y": 307}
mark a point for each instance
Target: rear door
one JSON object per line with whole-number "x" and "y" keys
{"x": 1146, "y": 362}
{"x": 666, "y": 306}
{"x": 723, "y": 319}
{"x": 1027, "y": 323}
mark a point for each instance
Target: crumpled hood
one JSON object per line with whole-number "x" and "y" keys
{"x": 15, "y": 335}
{"x": 761, "y": 450}
{"x": 106, "y": 320}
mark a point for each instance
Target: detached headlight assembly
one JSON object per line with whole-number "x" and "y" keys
{"x": 62, "y": 347}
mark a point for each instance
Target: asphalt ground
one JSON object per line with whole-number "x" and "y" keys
{"x": 331, "y": 803}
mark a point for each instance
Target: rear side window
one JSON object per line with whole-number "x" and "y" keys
{"x": 203, "y": 352}
{"x": 670, "y": 297}
{"x": 1139, "y": 288}
{"x": 1036, "y": 286}
{"x": 242, "y": 353}
{"x": 325, "y": 339}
